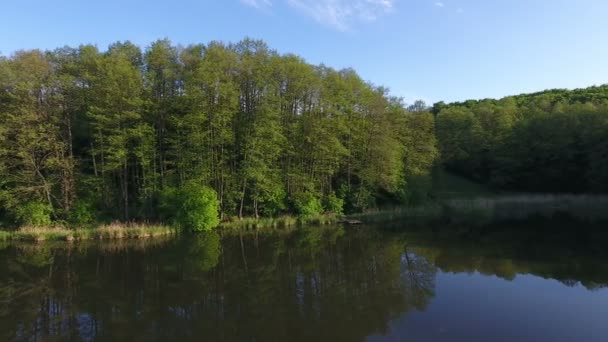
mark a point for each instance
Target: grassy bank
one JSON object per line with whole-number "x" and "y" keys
{"x": 114, "y": 231}
{"x": 473, "y": 212}
{"x": 133, "y": 231}
{"x": 279, "y": 222}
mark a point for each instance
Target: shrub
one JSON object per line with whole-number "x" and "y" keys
{"x": 198, "y": 208}
{"x": 34, "y": 214}
{"x": 272, "y": 202}
{"x": 334, "y": 204}
{"x": 167, "y": 204}
{"x": 361, "y": 198}
{"x": 81, "y": 213}
{"x": 307, "y": 205}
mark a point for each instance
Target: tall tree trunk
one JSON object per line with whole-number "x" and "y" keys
{"x": 125, "y": 191}
{"x": 242, "y": 199}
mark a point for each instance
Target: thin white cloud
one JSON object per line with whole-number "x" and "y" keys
{"x": 257, "y": 3}
{"x": 440, "y": 4}
{"x": 460, "y": 10}
{"x": 342, "y": 14}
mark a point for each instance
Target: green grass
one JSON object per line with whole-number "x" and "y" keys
{"x": 114, "y": 231}
{"x": 38, "y": 234}
{"x": 132, "y": 231}
{"x": 5, "y": 236}
{"x": 320, "y": 220}
{"x": 278, "y": 222}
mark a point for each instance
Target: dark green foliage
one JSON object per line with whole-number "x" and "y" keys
{"x": 168, "y": 204}
{"x": 554, "y": 141}
{"x": 82, "y": 212}
{"x": 334, "y": 204}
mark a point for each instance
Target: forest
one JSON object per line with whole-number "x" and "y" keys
{"x": 125, "y": 134}
{"x": 117, "y": 135}
{"x": 554, "y": 141}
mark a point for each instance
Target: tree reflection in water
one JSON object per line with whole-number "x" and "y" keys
{"x": 299, "y": 285}
{"x": 322, "y": 284}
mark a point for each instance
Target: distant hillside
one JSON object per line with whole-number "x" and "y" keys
{"x": 551, "y": 141}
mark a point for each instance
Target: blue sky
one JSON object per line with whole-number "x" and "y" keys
{"x": 433, "y": 50}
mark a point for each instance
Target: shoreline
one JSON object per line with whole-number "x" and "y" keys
{"x": 114, "y": 231}
{"x": 138, "y": 231}
{"x": 478, "y": 211}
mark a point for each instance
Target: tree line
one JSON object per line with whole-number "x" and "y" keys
{"x": 551, "y": 141}
{"x": 97, "y": 135}
{"x": 133, "y": 134}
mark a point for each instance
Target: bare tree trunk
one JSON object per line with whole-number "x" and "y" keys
{"x": 94, "y": 161}
{"x": 242, "y": 200}
{"x": 125, "y": 190}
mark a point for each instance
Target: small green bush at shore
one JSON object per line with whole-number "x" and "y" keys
{"x": 193, "y": 208}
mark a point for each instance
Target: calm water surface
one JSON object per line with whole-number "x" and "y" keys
{"x": 317, "y": 284}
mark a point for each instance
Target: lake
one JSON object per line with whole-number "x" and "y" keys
{"x": 359, "y": 283}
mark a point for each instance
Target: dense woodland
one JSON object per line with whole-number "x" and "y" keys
{"x": 89, "y": 135}
{"x": 553, "y": 141}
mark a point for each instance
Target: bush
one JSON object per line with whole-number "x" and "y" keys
{"x": 81, "y": 213}
{"x": 360, "y": 199}
{"x": 307, "y": 205}
{"x": 167, "y": 204}
{"x": 198, "y": 208}
{"x": 34, "y": 214}
{"x": 334, "y": 204}
{"x": 272, "y": 202}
